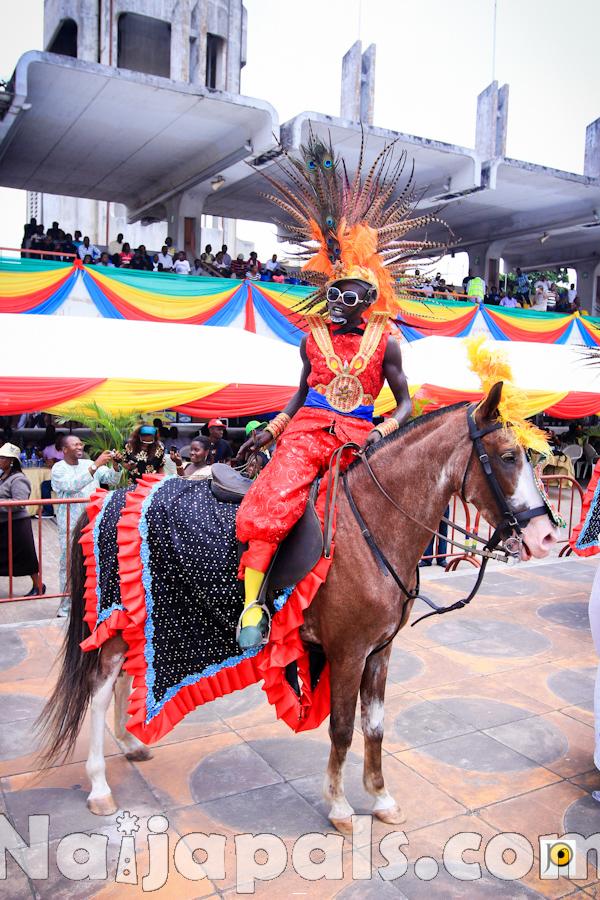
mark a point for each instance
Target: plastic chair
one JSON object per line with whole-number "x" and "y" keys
{"x": 590, "y": 458}
{"x": 573, "y": 451}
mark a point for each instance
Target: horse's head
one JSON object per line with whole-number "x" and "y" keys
{"x": 513, "y": 475}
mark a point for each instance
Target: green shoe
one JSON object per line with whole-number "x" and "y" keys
{"x": 253, "y": 635}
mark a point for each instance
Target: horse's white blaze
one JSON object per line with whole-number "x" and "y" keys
{"x": 526, "y": 494}
{"x": 375, "y": 716}
{"x": 540, "y": 534}
{"x": 383, "y": 801}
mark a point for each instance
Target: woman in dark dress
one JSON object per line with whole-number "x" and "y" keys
{"x": 144, "y": 453}
{"x": 15, "y": 486}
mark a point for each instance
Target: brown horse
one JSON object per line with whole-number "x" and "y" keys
{"x": 355, "y": 614}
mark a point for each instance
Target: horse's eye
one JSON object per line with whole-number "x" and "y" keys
{"x": 508, "y": 457}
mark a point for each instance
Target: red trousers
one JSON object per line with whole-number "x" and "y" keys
{"x": 279, "y": 495}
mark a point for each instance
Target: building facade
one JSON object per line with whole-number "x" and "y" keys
{"x": 197, "y": 42}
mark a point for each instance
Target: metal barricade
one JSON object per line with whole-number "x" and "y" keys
{"x": 10, "y": 505}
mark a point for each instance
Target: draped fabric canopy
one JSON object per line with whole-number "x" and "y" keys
{"x": 215, "y": 370}
{"x": 28, "y": 286}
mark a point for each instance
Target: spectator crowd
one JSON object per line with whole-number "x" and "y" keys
{"x": 58, "y": 244}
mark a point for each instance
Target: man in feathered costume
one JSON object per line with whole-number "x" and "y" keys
{"x": 351, "y": 235}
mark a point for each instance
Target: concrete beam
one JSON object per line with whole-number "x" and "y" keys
{"x": 492, "y": 121}
{"x": 591, "y": 165}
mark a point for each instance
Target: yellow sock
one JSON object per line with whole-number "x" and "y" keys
{"x": 253, "y": 580}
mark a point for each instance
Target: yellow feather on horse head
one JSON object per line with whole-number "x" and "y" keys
{"x": 492, "y": 366}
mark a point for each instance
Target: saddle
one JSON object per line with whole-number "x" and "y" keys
{"x": 301, "y": 550}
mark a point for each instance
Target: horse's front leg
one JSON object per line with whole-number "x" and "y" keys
{"x": 132, "y": 747}
{"x": 372, "y": 694}
{"x": 100, "y": 799}
{"x": 345, "y": 676}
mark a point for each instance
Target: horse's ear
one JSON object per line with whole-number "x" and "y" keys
{"x": 487, "y": 411}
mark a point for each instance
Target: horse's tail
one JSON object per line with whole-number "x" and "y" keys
{"x": 60, "y": 721}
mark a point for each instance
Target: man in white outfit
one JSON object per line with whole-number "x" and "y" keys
{"x": 77, "y": 477}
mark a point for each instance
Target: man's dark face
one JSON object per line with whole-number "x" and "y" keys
{"x": 215, "y": 433}
{"x": 339, "y": 312}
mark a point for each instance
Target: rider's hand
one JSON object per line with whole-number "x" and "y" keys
{"x": 372, "y": 438}
{"x": 255, "y": 443}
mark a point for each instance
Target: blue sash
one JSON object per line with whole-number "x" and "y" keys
{"x": 315, "y": 400}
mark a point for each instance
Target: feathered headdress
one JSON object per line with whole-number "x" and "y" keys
{"x": 352, "y": 228}
{"x": 492, "y": 366}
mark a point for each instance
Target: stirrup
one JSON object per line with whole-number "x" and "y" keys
{"x": 266, "y": 633}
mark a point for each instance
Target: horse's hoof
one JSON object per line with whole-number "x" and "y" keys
{"x": 344, "y": 826}
{"x": 140, "y": 754}
{"x": 102, "y": 806}
{"x": 391, "y": 816}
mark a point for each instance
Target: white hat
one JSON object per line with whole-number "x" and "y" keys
{"x": 10, "y": 450}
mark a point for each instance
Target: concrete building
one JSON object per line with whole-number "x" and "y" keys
{"x": 187, "y": 156}
{"x": 196, "y": 42}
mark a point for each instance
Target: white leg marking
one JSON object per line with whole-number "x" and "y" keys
{"x": 95, "y": 765}
{"x": 375, "y": 716}
{"x": 383, "y": 801}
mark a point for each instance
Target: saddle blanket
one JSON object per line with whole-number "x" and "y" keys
{"x": 161, "y": 568}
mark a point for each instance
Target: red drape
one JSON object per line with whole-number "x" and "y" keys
{"x": 239, "y": 400}
{"x": 21, "y": 395}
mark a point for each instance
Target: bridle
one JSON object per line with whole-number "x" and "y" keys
{"x": 509, "y": 529}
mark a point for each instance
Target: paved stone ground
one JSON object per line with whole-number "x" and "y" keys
{"x": 489, "y": 729}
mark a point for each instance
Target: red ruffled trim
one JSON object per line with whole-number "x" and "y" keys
{"x": 300, "y": 713}
{"x": 118, "y": 618}
{"x": 585, "y": 507}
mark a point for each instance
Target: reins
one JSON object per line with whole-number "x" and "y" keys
{"x": 510, "y": 522}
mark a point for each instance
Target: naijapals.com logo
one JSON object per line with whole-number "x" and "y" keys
{"x": 196, "y": 856}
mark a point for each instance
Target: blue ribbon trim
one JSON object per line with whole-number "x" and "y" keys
{"x": 314, "y": 400}
{"x": 101, "y": 615}
{"x": 153, "y": 706}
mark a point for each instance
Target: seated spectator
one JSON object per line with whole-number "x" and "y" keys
{"x": 156, "y": 266}
{"x": 220, "y": 449}
{"x": 15, "y": 486}
{"x": 87, "y": 260}
{"x": 576, "y": 304}
{"x": 508, "y": 301}
{"x": 493, "y": 296}
{"x": 278, "y": 276}
{"x": 105, "y": 260}
{"x": 271, "y": 264}
{"x": 165, "y": 258}
{"x": 126, "y": 255}
{"x": 55, "y": 233}
{"x": 220, "y": 265}
{"x": 208, "y": 253}
{"x": 87, "y": 249}
{"x": 253, "y": 260}
{"x": 238, "y": 266}
{"x": 140, "y": 260}
{"x": 116, "y": 246}
{"x": 253, "y": 274}
{"x": 200, "y": 269}
{"x": 144, "y": 453}
{"x": 182, "y": 266}
{"x": 197, "y": 469}
{"x": 116, "y": 260}
{"x": 256, "y": 463}
{"x": 226, "y": 257}
{"x": 562, "y": 303}
{"x": 68, "y": 246}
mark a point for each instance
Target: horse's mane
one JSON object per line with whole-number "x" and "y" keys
{"x": 413, "y": 425}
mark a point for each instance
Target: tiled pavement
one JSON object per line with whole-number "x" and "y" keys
{"x": 489, "y": 729}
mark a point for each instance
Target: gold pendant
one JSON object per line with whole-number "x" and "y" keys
{"x": 345, "y": 393}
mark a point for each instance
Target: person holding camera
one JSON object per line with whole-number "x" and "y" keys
{"x": 197, "y": 469}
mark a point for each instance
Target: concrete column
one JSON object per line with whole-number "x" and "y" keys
{"x": 367, "y": 86}
{"x": 235, "y": 37}
{"x": 587, "y": 273}
{"x": 492, "y": 121}
{"x": 484, "y": 261}
{"x": 591, "y": 165}
{"x": 351, "y": 83}
{"x": 180, "y": 41}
